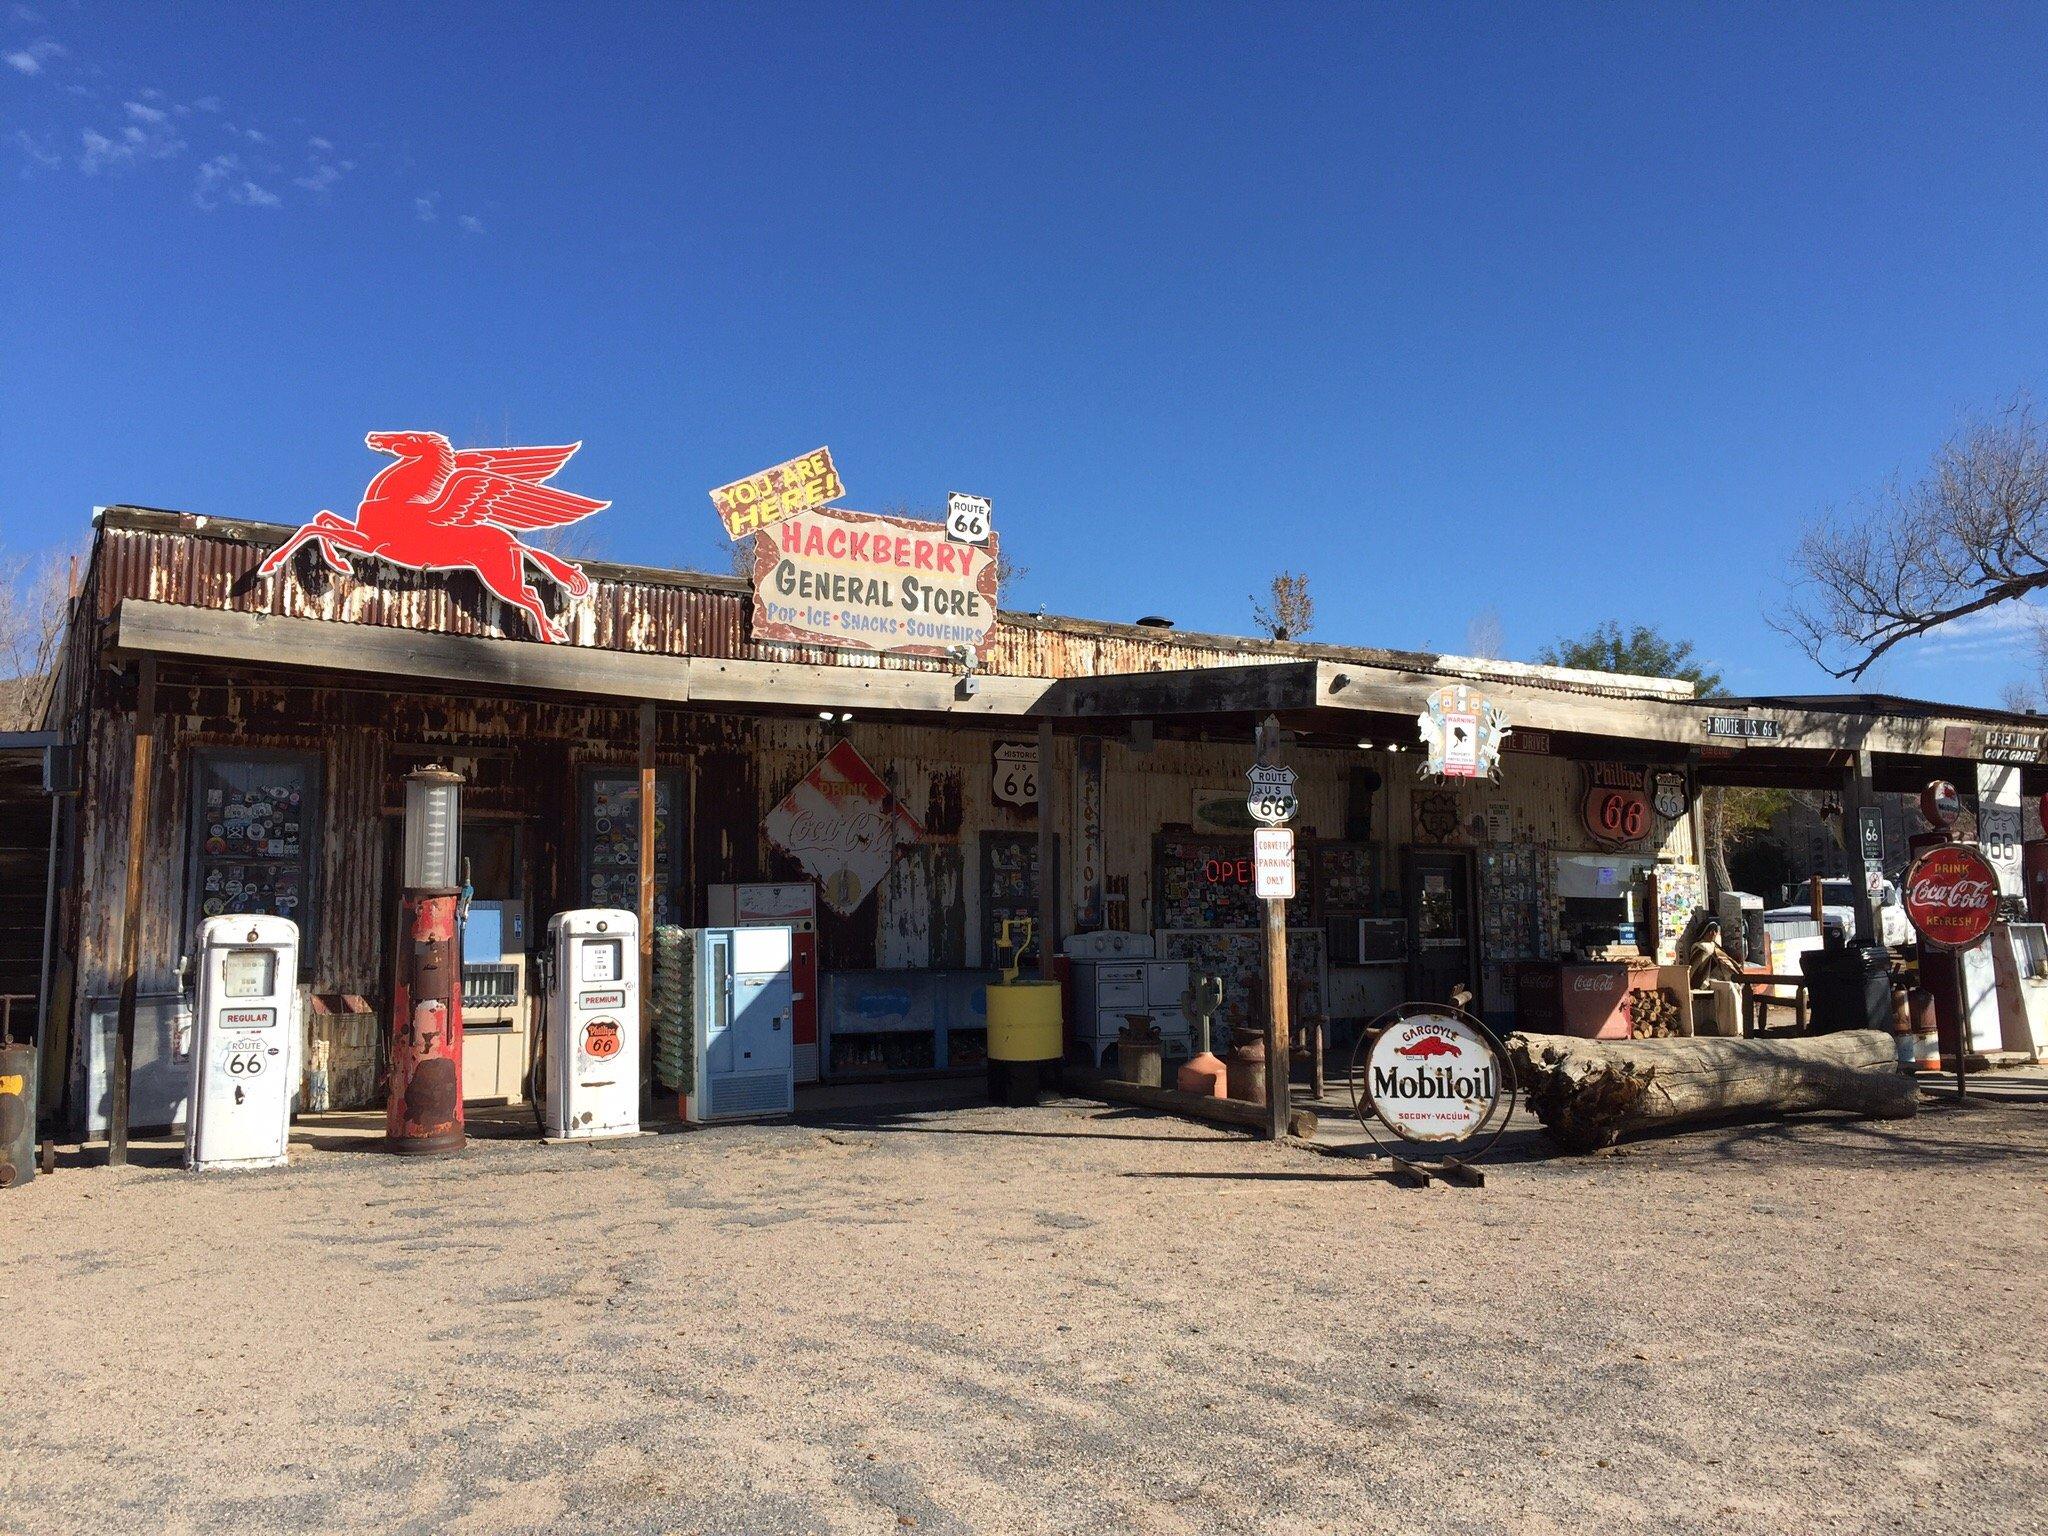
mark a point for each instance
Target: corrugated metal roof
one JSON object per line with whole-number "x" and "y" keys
{"x": 181, "y": 558}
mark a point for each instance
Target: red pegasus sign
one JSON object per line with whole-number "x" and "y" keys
{"x": 443, "y": 509}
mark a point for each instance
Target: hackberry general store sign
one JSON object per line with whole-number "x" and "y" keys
{"x": 865, "y": 582}
{"x": 844, "y": 825}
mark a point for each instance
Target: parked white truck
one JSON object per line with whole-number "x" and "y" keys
{"x": 1838, "y": 907}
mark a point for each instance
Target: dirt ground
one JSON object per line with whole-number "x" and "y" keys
{"x": 1065, "y": 1319}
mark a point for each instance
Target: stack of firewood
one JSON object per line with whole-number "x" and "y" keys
{"x": 1652, "y": 1015}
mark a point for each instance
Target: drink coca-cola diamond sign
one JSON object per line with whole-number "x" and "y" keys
{"x": 1951, "y": 896}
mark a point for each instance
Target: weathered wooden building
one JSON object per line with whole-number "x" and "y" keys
{"x": 285, "y": 711}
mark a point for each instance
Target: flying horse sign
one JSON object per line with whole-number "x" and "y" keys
{"x": 445, "y": 509}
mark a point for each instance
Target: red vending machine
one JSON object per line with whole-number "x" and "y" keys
{"x": 794, "y": 902}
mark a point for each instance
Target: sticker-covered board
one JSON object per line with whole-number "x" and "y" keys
{"x": 1239, "y": 957}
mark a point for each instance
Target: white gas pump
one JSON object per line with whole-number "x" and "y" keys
{"x": 242, "y": 1055}
{"x": 593, "y": 1002}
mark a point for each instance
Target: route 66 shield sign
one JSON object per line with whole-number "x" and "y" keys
{"x": 1271, "y": 799}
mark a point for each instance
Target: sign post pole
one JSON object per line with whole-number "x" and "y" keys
{"x": 1962, "y": 1029}
{"x": 1272, "y": 804}
{"x": 1277, "y": 1059}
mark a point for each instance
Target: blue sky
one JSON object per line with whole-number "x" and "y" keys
{"x": 1567, "y": 313}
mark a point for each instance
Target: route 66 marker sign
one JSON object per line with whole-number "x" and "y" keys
{"x": 968, "y": 518}
{"x": 1271, "y": 799}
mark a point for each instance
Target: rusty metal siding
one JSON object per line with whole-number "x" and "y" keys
{"x": 686, "y": 615}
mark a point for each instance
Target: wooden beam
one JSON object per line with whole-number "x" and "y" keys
{"x": 647, "y": 850}
{"x": 1256, "y": 689}
{"x": 1338, "y": 691}
{"x": 1048, "y": 873}
{"x": 400, "y": 655}
{"x": 139, "y": 769}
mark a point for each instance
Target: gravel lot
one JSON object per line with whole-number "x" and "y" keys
{"x": 1068, "y": 1319}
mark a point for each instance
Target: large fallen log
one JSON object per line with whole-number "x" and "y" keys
{"x": 1589, "y": 1093}
{"x": 1196, "y": 1106}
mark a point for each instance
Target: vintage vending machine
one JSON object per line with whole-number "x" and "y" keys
{"x": 593, "y": 1024}
{"x": 740, "y": 1023}
{"x": 494, "y": 1001}
{"x": 243, "y": 1058}
{"x": 794, "y": 904}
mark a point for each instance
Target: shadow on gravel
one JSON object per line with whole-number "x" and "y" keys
{"x": 1267, "y": 1176}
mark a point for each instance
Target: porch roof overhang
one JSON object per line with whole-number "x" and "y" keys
{"x": 1338, "y": 696}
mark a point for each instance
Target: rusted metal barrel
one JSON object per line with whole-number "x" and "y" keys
{"x": 1245, "y": 1066}
{"x": 17, "y": 1114}
{"x": 423, "y": 1112}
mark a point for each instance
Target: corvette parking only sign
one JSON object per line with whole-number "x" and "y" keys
{"x": 1273, "y": 863}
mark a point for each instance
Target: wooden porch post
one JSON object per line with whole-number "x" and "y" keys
{"x": 131, "y": 914}
{"x": 1048, "y": 893}
{"x": 646, "y": 874}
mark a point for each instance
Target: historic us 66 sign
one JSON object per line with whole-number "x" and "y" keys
{"x": 1271, "y": 799}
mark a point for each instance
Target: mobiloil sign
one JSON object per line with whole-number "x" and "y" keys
{"x": 1433, "y": 1077}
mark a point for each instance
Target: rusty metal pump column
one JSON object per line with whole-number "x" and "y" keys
{"x": 424, "y": 1111}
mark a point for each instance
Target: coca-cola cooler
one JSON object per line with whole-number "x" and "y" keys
{"x": 794, "y": 904}
{"x": 1565, "y": 998}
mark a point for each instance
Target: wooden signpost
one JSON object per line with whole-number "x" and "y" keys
{"x": 1272, "y": 803}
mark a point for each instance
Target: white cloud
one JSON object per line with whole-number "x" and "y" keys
{"x": 223, "y": 180}
{"x": 145, "y": 139}
{"x": 36, "y": 150}
{"x": 29, "y": 60}
{"x": 208, "y": 103}
{"x": 471, "y": 224}
{"x": 323, "y": 174}
{"x": 143, "y": 114}
{"x": 27, "y": 17}
{"x": 1989, "y": 631}
{"x": 320, "y": 144}
{"x": 427, "y": 207}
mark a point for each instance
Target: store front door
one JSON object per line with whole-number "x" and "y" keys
{"x": 1437, "y": 888}
{"x": 497, "y": 1017}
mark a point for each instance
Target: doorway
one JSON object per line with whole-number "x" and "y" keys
{"x": 497, "y": 1027}
{"x": 1437, "y": 894}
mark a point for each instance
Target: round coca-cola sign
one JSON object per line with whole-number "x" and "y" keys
{"x": 1951, "y": 896}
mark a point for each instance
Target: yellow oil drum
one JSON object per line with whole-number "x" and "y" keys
{"x": 1024, "y": 1021}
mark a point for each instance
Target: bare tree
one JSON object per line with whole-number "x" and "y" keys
{"x": 1969, "y": 534}
{"x": 1289, "y": 613}
{"x": 34, "y": 603}
{"x": 1485, "y": 637}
